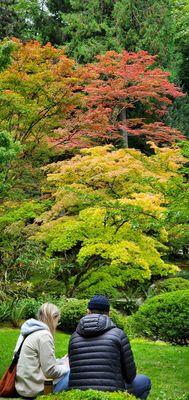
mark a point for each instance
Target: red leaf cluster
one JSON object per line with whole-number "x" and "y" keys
{"x": 47, "y": 97}
{"x": 127, "y": 82}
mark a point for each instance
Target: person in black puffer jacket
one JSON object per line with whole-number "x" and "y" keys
{"x": 100, "y": 355}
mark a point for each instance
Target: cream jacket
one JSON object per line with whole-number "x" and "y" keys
{"x": 37, "y": 361}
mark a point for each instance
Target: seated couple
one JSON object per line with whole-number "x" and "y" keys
{"x": 99, "y": 355}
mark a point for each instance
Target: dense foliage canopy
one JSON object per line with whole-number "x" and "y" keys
{"x": 108, "y": 222}
{"x": 85, "y": 199}
{"x": 46, "y": 98}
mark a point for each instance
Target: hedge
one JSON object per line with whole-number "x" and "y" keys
{"x": 168, "y": 285}
{"x": 173, "y": 284}
{"x": 72, "y": 310}
{"x": 164, "y": 317}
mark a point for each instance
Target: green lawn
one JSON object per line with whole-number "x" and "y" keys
{"x": 166, "y": 365}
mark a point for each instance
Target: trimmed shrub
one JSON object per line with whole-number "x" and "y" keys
{"x": 72, "y": 310}
{"x": 164, "y": 317}
{"x": 168, "y": 285}
{"x": 173, "y": 284}
{"x": 119, "y": 319}
{"x": 97, "y": 395}
{"x": 184, "y": 397}
{"x": 30, "y": 308}
{"x": 90, "y": 395}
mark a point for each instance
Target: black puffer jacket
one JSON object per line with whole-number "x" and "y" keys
{"x": 100, "y": 355}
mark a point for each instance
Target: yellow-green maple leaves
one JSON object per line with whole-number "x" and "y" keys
{"x": 109, "y": 213}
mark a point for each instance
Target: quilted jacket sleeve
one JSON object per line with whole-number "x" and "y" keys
{"x": 127, "y": 359}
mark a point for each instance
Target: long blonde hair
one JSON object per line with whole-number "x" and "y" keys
{"x": 47, "y": 313}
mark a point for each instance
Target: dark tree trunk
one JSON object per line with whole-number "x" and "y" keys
{"x": 123, "y": 131}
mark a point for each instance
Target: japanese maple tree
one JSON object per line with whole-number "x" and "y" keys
{"x": 126, "y": 95}
{"x": 107, "y": 226}
{"x": 132, "y": 93}
{"x": 37, "y": 91}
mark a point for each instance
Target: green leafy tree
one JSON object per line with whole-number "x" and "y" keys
{"x": 8, "y": 152}
{"x": 27, "y": 19}
{"x": 10, "y": 22}
{"x": 147, "y": 25}
{"x": 18, "y": 257}
{"x": 181, "y": 18}
{"x": 86, "y": 27}
{"x": 107, "y": 226}
{"x": 6, "y": 49}
{"x": 178, "y": 115}
{"x": 36, "y": 92}
{"x": 40, "y": 25}
{"x": 92, "y": 27}
{"x": 178, "y": 212}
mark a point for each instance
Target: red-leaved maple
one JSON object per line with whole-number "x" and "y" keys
{"x": 125, "y": 95}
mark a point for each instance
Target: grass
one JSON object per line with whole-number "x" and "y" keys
{"x": 166, "y": 365}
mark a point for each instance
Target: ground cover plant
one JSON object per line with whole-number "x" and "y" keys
{"x": 94, "y": 395}
{"x": 167, "y": 365}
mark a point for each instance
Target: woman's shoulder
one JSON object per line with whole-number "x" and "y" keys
{"x": 41, "y": 335}
{"x": 45, "y": 339}
{"x": 44, "y": 333}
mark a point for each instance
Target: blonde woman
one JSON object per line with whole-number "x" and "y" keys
{"x": 37, "y": 358}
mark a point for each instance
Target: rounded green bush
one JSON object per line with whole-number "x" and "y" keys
{"x": 90, "y": 395}
{"x": 173, "y": 284}
{"x": 30, "y": 308}
{"x": 169, "y": 285}
{"x": 118, "y": 318}
{"x": 72, "y": 310}
{"x": 164, "y": 317}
